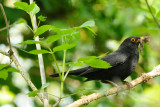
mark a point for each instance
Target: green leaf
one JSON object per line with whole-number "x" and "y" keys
{"x": 33, "y": 93}
{"x": 21, "y": 5}
{"x": 87, "y": 58}
{"x": 12, "y": 69}
{"x": 45, "y": 85}
{"x": 69, "y": 63}
{"x": 91, "y": 30}
{"x": 42, "y": 18}
{"x": 36, "y": 52}
{"x": 31, "y": 7}
{"x": 3, "y": 66}
{"x": 43, "y": 29}
{"x": 30, "y": 42}
{"x": 67, "y": 31}
{"x": 78, "y": 64}
{"x": 3, "y": 74}
{"x": 74, "y": 64}
{"x": 63, "y": 47}
{"x": 89, "y": 23}
{"x": 97, "y": 63}
{"x": 20, "y": 21}
{"x": 35, "y": 10}
{"x": 53, "y": 38}
{"x": 76, "y": 34}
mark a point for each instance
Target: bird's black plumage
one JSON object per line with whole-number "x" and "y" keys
{"x": 123, "y": 62}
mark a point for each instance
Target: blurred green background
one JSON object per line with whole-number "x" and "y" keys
{"x": 115, "y": 20}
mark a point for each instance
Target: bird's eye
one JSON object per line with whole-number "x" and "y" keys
{"x": 132, "y": 39}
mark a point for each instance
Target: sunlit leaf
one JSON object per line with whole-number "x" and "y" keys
{"x": 3, "y": 66}
{"x": 12, "y": 69}
{"x": 45, "y": 85}
{"x": 69, "y": 63}
{"x": 78, "y": 64}
{"x": 43, "y": 29}
{"x": 67, "y": 31}
{"x": 3, "y": 74}
{"x": 31, "y": 7}
{"x": 36, "y": 52}
{"x": 87, "y": 58}
{"x": 30, "y": 42}
{"x": 33, "y": 93}
{"x": 76, "y": 34}
{"x": 21, "y": 5}
{"x": 90, "y": 23}
{"x": 35, "y": 10}
{"x": 20, "y": 21}
{"x": 97, "y": 63}
{"x": 63, "y": 47}
{"x": 53, "y": 38}
{"x": 91, "y": 30}
{"x": 42, "y": 18}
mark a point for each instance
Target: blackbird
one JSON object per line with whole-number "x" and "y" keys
{"x": 123, "y": 62}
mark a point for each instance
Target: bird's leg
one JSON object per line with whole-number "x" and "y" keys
{"x": 111, "y": 82}
{"x": 129, "y": 85}
{"x": 114, "y": 84}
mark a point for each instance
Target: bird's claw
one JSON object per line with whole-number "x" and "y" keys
{"x": 129, "y": 85}
{"x": 115, "y": 85}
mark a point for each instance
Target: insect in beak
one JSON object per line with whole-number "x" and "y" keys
{"x": 146, "y": 39}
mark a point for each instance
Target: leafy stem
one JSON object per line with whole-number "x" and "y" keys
{"x": 64, "y": 58}
{"x": 54, "y": 58}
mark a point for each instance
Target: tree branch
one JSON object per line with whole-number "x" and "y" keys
{"x": 143, "y": 78}
{"x": 29, "y": 82}
{"x": 156, "y": 21}
{"x": 7, "y": 26}
{"x": 40, "y": 57}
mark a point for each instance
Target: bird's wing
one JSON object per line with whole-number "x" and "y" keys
{"x": 114, "y": 59}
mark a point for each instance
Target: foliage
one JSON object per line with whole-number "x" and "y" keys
{"x": 68, "y": 40}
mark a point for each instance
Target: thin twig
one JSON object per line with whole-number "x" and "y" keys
{"x": 40, "y": 57}
{"x": 7, "y": 26}
{"x": 29, "y": 82}
{"x": 156, "y": 21}
{"x": 143, "y": 78}
{"x": 59, "y": 100}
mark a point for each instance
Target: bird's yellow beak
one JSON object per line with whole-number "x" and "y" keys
{"x": 141, "y": 39}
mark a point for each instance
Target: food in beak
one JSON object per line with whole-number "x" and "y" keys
{"x": 146, "y": 39}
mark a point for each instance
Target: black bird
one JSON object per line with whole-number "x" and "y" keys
{"x": 123, "y": 62}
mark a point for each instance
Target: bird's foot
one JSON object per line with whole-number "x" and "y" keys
{"x": 129, "y": 85}
{"x": 114, "y": 84}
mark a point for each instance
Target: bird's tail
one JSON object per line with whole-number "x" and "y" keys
{"x": 73, "y": 72}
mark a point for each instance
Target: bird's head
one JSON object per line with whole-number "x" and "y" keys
{"x": 131, "y": 43}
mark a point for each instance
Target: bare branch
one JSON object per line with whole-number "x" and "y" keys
{"x": 143, "y": 78}
{"x": 7, "y": 26}
{"x": 40, "y": 58}
{"x": 59, "y": 100}
{"x": 29, "y": 82}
